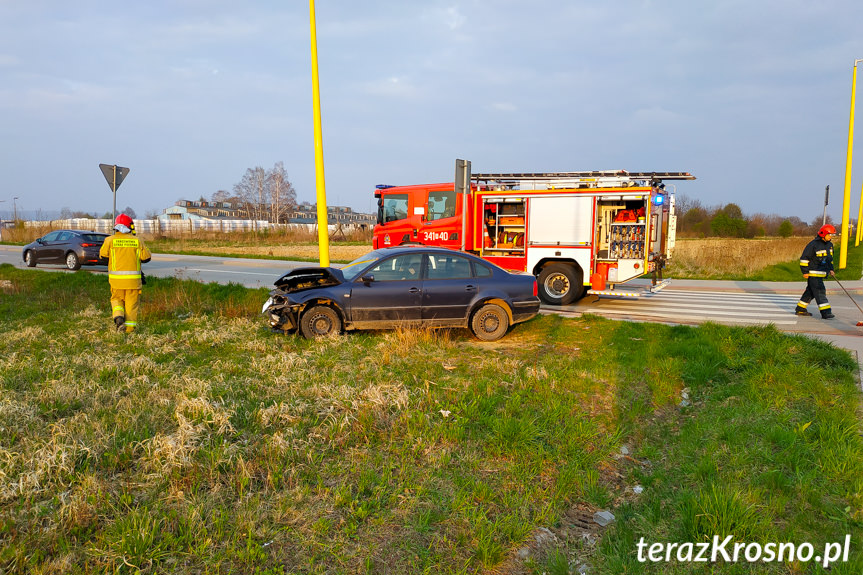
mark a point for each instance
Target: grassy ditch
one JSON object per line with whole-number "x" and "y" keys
{"x": 206, "y": 444}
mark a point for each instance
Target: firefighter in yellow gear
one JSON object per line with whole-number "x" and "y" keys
{"x": 125, "y": 253}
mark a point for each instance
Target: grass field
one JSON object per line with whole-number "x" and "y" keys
{"x": 206, "y": 444}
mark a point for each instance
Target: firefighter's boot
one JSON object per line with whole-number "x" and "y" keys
{"x": 801, "y": 310}
{"x": 120, "y": 322}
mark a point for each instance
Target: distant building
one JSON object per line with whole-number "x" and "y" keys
{"x": 203, "y": 210}
{"x": 305, "y": 213}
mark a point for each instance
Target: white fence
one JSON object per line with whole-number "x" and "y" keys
{"x": 190, "y": 227}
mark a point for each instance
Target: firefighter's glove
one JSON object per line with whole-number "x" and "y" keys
{"x": 806, "y": 276}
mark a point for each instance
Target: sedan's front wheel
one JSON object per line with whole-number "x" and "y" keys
{"x": 72, "y": 261}
{"x": 489, "y": 323}
{"x": 320, "y": 321}
{"x": 30, "y": 259}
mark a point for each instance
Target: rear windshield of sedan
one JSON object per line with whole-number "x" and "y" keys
{"x": 94, "y": 237}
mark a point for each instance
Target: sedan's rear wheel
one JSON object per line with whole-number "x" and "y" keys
{"x": 320, "y": 321}
{"x": 30, "y": 259}
{"x": 489, "y": 323}
{"x": 72, "y": 261}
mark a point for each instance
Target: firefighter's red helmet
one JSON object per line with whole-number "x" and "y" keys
{"x": 124, "y": 220}
{"x": 826, "y": 229}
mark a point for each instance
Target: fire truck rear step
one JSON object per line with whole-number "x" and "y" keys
{"x": 630, "y": 294}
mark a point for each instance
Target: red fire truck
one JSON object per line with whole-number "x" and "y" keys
{"x": 572, "y": 230}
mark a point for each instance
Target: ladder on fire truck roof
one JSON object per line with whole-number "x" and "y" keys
{"x": 591, "y": 179}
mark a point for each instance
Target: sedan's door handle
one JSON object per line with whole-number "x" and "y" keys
{"x": 469, "y": 288}
{"x": 414, "y": 290}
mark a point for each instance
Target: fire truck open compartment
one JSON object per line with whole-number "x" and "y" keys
{"x": 621, "y": 228}
{"x": 505, "y": 226}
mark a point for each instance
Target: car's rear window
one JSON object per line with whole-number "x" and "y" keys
{"x": 94, "y": 237}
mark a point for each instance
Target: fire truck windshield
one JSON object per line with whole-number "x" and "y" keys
{"x": 393, "y": 207}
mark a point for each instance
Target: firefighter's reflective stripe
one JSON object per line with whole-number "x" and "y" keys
{"x": 119, "y": 308}
{"x": 823, "y": 306}
{"x": 817, "y": 274}
{"x": 802, "y": 304}
{"x": 804, "y": 262}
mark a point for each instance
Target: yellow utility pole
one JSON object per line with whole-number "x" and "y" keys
{"x": 846, "y": 203}
{"x": 323, "y": 228}
{"x": 857, "y": 233}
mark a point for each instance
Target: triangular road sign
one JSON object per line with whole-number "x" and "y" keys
{"x": 114, "y": 175}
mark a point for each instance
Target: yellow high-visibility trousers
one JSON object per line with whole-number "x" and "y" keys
{"x": 124, "y": 303}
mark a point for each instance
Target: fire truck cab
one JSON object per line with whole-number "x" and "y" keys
{"x": 572, "y": 230}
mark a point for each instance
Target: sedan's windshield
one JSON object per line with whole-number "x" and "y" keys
{"x": 352, "y": 270}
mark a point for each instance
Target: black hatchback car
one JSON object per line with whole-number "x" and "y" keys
{"x": 403, "y": 286}
{"x": 73, "y": 248}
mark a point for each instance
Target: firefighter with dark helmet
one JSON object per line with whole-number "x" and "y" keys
{"x": 125, "y": 253}
{"x": 816, "y": 263}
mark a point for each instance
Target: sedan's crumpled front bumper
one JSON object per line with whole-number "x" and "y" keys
{"x": 281, "y": 313}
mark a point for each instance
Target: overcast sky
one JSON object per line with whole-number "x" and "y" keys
{"x": 751, "y": 96}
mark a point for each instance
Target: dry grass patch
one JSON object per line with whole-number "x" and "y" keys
{"x": 306, "y": 252}
{"x": 732, "y": 256}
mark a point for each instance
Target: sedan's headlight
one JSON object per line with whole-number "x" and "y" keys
{"x": 267, "y": 304}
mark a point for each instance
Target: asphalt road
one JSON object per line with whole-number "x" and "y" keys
{"x": 251, "y": 273}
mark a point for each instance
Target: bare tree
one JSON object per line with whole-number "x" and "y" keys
{"x": 221, "y": 196}
{"x": 283, "y": 197}
{"x": 252, "y": 192}
{"x": 263, "y": 195}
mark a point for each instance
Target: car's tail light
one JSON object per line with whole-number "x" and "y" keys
{"x": 89, "y": 245}
{"x": 535, "y": 290}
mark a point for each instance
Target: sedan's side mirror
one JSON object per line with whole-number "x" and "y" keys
{"x": 39, "y": 240}
{"x": 367, "y": 279}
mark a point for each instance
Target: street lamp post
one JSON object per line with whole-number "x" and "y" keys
{"x": 15, "y": 209}
{"x": 846, "y": 203}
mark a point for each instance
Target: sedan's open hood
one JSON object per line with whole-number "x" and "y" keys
{"x": 307, "y": 278}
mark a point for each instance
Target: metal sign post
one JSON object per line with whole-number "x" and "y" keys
{"x": 462, "y": 186}
{"x": 826, "y": 200}
{"x": 114, "y": 175}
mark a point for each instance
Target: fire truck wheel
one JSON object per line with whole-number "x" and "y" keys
{"x": 320, "y": 321}
{"x": 559, "y": 284}
{"x": 489, "y": 323}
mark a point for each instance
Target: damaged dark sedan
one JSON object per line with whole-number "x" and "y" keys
{"x": 403, "y": 286}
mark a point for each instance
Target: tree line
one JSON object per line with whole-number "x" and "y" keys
{"x": 728, "y": 221}
{"x": 259, "y": 195}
